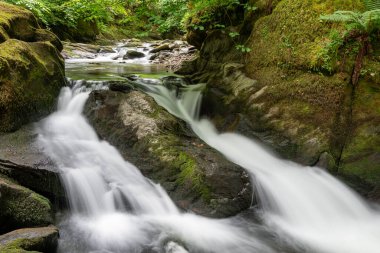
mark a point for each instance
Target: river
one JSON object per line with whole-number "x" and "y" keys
{"x": 114, "y": 208}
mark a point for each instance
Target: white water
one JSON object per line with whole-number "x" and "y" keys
{"x": 303, "y": 204}
{"x": 117, "y": 55}
{"x": 114, "y": 208}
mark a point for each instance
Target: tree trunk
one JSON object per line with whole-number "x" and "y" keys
{"x": 364, "y": 42}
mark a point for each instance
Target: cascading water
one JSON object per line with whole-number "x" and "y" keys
{"x": 113, "y": 207}
{"x": 303, "y": 204}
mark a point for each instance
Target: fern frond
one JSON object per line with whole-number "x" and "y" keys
{"x": 371, "y": 20}
{"x": 342, "y": 16}
{"x": 371, "y": 5}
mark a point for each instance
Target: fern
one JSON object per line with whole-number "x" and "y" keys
{"x": 342, "y": 16}
{"x": 371, "y": 5}
{"x": 367, "y": 22}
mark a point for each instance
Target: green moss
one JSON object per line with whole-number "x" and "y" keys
{"x": 191, "y": 173}
{"x": 296, "y": 34}
{"x": 179, "y": 164}
{"x": 19, "y": 245}
{"x": 361, "y": 156}
{"x": 23, "y": 97}
{"x": 23, "y": 206}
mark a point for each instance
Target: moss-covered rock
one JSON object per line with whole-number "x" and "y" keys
{"x": 21, "y": 207}
{"x": 31, "y": 68}
{"x": 361, "y": 154}
{"x": 43, "y": 239}
{"x": 197, "y": 178}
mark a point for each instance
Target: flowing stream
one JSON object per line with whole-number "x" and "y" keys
{"x": 305, "y": 203}
{"x": 115, "y": 209}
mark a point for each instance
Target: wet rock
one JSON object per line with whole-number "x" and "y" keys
{"x": 174, "y": 82}
{"x": 22, "y": 159}
{"x": 106, "y": 50}
{"x": 21, "y": 207}
{"x": 133, "y": 54}
{"x": 162, "y": 47}
{"x": 173, "y": 247}
{"x": 133, "y": 44}
{"x": 43, "y": 239}
{"x": 196, "y": 177}
{"x": 80, "y": 50}
{"x": 122, "y": 86}
{"x": 187, "y": 67}
{"x": 326, "y": 161}
{"x": 153, "y": 57}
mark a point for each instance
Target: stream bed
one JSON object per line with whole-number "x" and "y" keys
{"x": 115, "y": 209}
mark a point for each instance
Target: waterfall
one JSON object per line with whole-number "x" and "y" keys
{"x": 303, "y": 204}
{"x": 114, "y": 208}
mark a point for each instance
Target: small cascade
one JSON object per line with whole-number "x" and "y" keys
{"x": 114, "y": 208}
{"x": 304, "y": 204}
{"x": 117, "y": 56}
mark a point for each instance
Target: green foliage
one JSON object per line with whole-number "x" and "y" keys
{"x": 372, "y": 4}
{"x": 166, "y": 17}
{"x": 70, "y": 12}
{"x": 243, "y": 48}
{"x": 368, "y": 21}
{"x": 40, "y": 8}
{"x": 329, "y": 53}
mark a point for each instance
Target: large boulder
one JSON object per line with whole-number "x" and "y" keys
{"x": 43, "y": 239}
{"x": 295, "y": 93}
{"x": 196, "y": 177}
{"x": 21, "y": 207}
{"x": 31, "y": 68}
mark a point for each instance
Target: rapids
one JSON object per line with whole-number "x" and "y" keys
{"x": 115, "y": 209}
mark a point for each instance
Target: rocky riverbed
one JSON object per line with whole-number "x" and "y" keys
{"x": 169, "y": 53}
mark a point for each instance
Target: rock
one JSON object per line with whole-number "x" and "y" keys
{"x": 21, "y": 207}
{"x": 361, "y": 154}
{"x": 187, "y": 67}
{"x": 43, "y": 239}
{"x": 196, "y": 37}
{"x": 106, "y": 50}
{"x": 174, "y": 82}
{"x": 85, "y": 31}
{"x": 326, "y": 161}
{"x": 133, "y": 54}
{"x": 22, "y": 159}
{"x": 162, "y": 47}
{"x": 196, "y": 177}
{"x": 35, "y": 53}
{"x": 133, "y": 44}
{"x": 153, "y": 57}
{"x": 80, "y": 50}
{"x": 45, "y": 35}
{"x": 122, "y": 86}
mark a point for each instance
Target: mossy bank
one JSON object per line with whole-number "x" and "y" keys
{"x": 294, "y": 91}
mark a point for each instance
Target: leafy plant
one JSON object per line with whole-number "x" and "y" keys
{"x": 360, "y": 28}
